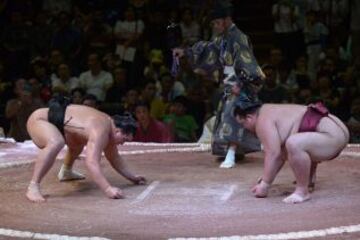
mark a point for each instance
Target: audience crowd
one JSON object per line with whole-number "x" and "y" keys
{"x": 116, "y": 56}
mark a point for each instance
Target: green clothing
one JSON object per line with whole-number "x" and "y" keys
{"x": 184, "y": 127}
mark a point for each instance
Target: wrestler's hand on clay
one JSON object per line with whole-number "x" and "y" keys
{"x": 114, "y": 193}
{"x": 260, "y": 190}
{"x": 139, "y": 180}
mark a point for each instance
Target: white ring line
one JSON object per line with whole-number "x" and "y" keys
{"x": 146, "y": 192}
{"x": 15, "y": 163}
{"x": 203, "y": 148}
{"x": 164, "y": 144}
{"x": 226, "y": 196}
{"x": 285, "y": 236}
{"x": 200, "y": 148}
{"x": 33, "y": 235}
{"x": 350, "y": 154}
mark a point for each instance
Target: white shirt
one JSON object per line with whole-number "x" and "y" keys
{"x": 284, "y": 23}
{"x": 128, "y": 28}
{"x": 97, "y": 85}
{"x": 70, "y": 84}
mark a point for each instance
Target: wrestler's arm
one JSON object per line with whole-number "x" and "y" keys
{"x": 268, "y": 135}
{"x": 116, "y": 161}
{"x": 98, "y": 139}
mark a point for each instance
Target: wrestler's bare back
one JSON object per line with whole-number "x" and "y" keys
{"x": 287, "y": 118}
{"x": 78, "y": 122}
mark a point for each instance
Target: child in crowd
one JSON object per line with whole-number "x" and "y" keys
{"x": 183, "y": 125}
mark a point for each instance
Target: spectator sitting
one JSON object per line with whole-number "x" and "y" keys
{"x": 327, "y": 93}
{"x": 190, "y": 29}
{"x": 272, "y": 92}
{"x": 277, "y": 60}
{"x": 329, "y": 68}
{"x": 40, "y": 78}
{"x": 155, "y": 68}
{"x": 67, "y": 38}
{"x": 19, "y": 109}
{"x": 298, "y": 77}
{"x": 198, "y": 109}
{"x": 157, "y": 106}
{"x": 111, "y": 62}
{"x": 130, "y": 100}
{"x": 97, "y": 33}
{"x": 118, "y": 90}
{"x": 150, "y": 129}
{"x": 127, "y": 32}
{"x": 96, "y": 81}
{"x": 77, "y": 95}
{"x": 63, "y": 82}
{"x": 285, "y": 14}
{"x": 116, "y": 94}
{"x": 183, "y": 125}
{"x": 55, "y": 59}
{"x": 315, "y": 38}
{"x": 170, "y": 88}
{"x": 91, "y": 101}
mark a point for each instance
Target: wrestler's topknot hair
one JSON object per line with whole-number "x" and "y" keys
{"x": 245, "y": 105}
{"x": 126, "y": 123}
{"x": 221, "y": 9}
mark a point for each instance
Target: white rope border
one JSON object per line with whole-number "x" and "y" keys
{"x": 200, "y": 148}
{"x": 15, "y": 163}
{"x": 152, "y": 144}
{"x": 184, "y": 147}
{"x": 353, "y": 145}
{"x": 350, "y": 154}
{"x": 287, "y": 236}
{"x": 33, "y": 235}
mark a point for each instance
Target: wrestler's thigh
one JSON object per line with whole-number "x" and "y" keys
{"x": 320, "y": 146}
{"x": 43, "y": 132}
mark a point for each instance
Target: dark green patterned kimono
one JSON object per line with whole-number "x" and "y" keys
{"x": 232, "y": 55}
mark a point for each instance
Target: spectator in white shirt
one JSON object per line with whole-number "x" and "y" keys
{"x": 95, "y": 81}
{"x": 286, "y": 28}
{"x": 316, "y": 34}
{"x": 190, "y": 29}
{"x": 127, "y": 32}
{"x": 63, "y": 82}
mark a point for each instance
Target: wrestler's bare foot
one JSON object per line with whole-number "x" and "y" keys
{"x": 297, "y": 197}
{"x": 33, "y": 193}
{"x": 66, "y": 174}
{"x": 311, "y": 186}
